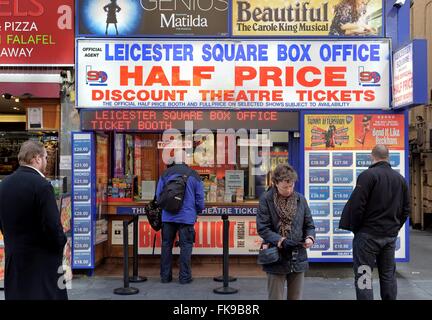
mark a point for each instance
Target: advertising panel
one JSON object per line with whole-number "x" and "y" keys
{"x": 138, "y": 18}
{"x": 409, "y": 78}
{"x": 37, "y": 32}
{"x": 243, "y": 236}
{"x": 307, "y": 18}
{"x": 337, "y": 150}
{"x": 83, "y": 199}
{"x": 339, "y": 74}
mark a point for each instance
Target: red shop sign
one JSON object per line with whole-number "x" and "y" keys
{"x": 36, "y": 32}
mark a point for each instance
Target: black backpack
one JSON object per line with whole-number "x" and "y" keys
{"x": 154, "y": 214}
{"x": 172, "y": 195}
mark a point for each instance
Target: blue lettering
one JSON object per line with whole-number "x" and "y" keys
{"x": 206, "y": 49}
{"x": 325, "y": 52}
{"x": 108, "y": 57}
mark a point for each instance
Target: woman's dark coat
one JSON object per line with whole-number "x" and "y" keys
{"x": 33, "y": 237}
{"x": 302, "y": 226}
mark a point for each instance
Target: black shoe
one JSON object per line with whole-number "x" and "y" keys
{"x": 166, "y": 280}
{"x": 186, "y": 281}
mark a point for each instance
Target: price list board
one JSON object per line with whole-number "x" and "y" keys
{"x": 83, "y": 201}
{"x": 337, "y": 150}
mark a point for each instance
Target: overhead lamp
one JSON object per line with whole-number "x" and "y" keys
{"x": 17, "y": 99}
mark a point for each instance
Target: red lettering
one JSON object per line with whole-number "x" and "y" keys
{"x": 301, "y": 77}
{"x": 244, "y": 73}
{"x": 157, "y": 76}
{"x": 176, "y": 81}
{"x": 335, "y": 76}
{"x": 200, "y": 73}
{"x": 267, "y": 74}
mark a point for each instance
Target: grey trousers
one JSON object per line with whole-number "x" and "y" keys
{"x": 276, "y": 286}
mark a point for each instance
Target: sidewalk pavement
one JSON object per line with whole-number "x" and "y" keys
{"x": 323, "y": 282}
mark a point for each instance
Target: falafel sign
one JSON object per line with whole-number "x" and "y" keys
{"x": 307, "y": 17}
{"x": 285, "y": 75}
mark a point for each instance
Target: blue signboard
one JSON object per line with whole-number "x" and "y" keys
{"x": 337, "y": 208}
{"x": 319, "y": 175}
{"x": 81, "y": 178}
{"x": 394, "y": 159}
{"x": 241, "y": 211}
{"x": 342, "y": 243}
{"x": 363, "y": 160}
{"x": 319, "y": 209}
{"x": 321, "y": 244}
{"x": 322, "y": 225}
{"x": 342, "y": 176}
{"x": 342, "y": 159}
{"x": 83, "y": 201}
{"x": 342, "y": 193}
{"x": 319, "y": 159}
{"x": 319, "y": 193}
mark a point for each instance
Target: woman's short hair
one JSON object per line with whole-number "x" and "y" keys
{"x": 29, "y": 150}
{"x": 284, "y": 172}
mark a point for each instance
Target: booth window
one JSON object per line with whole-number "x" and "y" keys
{"x": 231, "y": 169}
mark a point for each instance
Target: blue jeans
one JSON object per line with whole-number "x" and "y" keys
{"x": 186, "y": 240}
{"x": 368, "y": 249}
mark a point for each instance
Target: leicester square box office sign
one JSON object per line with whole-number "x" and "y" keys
{"x": 294, "y": 74}
{"x": 37, "y": 32}
{"x": 135, "y": 18}
{"x": 307, "y": 18}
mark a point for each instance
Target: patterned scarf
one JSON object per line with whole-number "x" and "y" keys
{"x": 286, "y": 208}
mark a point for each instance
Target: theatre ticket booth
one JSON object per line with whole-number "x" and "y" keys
{"x": 227, "y": 105}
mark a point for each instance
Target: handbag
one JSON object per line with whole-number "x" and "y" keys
{"x": 268, "y": 255}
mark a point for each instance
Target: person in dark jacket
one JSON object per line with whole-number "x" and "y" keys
{"x": 33, "y": 234}
{"x": 182, "y": 222}
{"x": 375, "y": 212}
{"x": 284, "y": 220}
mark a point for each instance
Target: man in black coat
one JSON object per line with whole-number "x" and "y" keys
{"x": 375, "y": 212}
{"x": 33, "y": 235}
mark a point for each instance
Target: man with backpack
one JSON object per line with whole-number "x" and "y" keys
{"x": 180, "y": 194}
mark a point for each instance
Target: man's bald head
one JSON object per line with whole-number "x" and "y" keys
{"x": 380, "y": 153}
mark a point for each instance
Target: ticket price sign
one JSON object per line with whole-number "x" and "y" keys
{"x": 337, "y": 150}
{"x": 83, "y": 199}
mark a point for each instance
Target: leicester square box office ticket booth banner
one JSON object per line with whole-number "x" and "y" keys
{"x": 130, "y": 91}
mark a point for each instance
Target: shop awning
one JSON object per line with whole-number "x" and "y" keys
{"x": 36, "y": 83}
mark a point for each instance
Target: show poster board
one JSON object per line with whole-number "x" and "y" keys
{"x": 244, "y": 238}
{"x": 260, "y": 74}
{"x": 83, "y": 205}
{"x": 133, "y": 18}
{"x": 337, "y": 150}
{"x": 306, "y": 18}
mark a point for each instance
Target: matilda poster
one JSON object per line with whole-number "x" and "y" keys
{"x": 127, "y": 18}
{"x": 337, "y": 150}
{"x": 307, "y": 18}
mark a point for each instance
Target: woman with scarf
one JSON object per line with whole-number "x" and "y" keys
{"x": 284, "y": 220}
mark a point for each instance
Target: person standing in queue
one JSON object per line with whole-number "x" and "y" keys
{"x": 284, "y": 220}
{"x": 375, "y": 212}
{"x": 32, "y": 231}
{"x": 181, "y": 222}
